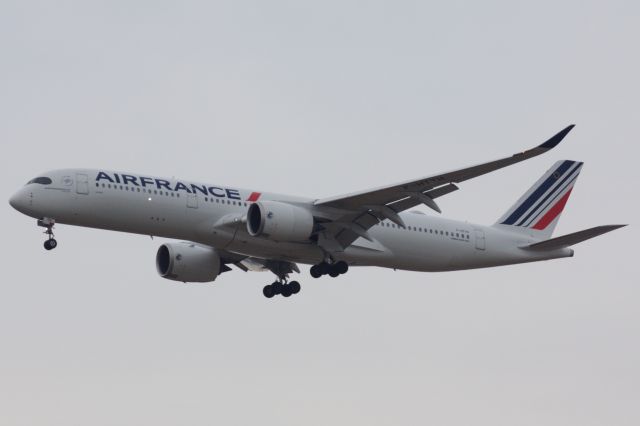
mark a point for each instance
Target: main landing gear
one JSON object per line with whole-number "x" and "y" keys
{"x": 331, "y": 269}
{"x": 281, "y": 287}
{"x": 50, "y": 242}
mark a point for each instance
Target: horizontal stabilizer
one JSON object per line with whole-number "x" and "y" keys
{"x": 571, "y": 239}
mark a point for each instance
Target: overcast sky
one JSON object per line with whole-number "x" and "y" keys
{"x": 318, "y": 99}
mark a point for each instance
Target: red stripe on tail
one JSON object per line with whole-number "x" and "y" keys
{"x": 553, "y": 213}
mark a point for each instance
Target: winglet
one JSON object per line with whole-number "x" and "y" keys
{"x": 557, "y": 138}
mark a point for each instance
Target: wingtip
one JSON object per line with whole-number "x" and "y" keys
{"x": 609, "y": 228}
{"x": 557, "y": 138}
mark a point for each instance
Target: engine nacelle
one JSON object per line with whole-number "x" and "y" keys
{"x": 279, "y": 221}
{"x": 188, "y": 262}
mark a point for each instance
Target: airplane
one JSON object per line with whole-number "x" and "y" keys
{"x": 225, "y": 226}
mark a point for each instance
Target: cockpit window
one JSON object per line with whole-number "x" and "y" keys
{"x": 41, "y": 180}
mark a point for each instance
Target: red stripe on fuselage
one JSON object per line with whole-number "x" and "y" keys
{"x": 254, "y": 196}
{"x": 553, "y": 213}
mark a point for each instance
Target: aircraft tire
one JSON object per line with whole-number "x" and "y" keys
{"x": 342, "y": 267}
{"x": 50, "y": 244}
{"x": 268, "y": 291}
{"x": 315, "y": 271}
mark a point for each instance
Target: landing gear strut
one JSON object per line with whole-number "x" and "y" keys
{"x": 331, "y": 269}
{"x": 50, "y": 242}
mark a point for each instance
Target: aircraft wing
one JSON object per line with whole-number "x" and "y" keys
{"x": 365, "y": 208}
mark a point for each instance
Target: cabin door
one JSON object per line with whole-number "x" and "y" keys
{"x": 480, "y": 240}
{"x": 82, "y": 184}
{"x": 192, "y": 201}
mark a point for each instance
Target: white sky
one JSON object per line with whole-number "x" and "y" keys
{"x": 318, "y": 99}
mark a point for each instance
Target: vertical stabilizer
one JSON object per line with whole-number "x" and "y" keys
{"x": 537, "y": 212}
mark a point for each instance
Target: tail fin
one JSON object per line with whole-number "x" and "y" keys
{"x": 537, "y": 212}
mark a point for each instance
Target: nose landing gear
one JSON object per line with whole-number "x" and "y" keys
{"x": 51, "y": 242}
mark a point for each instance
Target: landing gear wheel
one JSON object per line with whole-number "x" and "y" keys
{"x": 295, "y": 287}
{"x": 315, "y": 271}
{"x": 268, "y": 291}
{"x": 50, "y": 244}
{"x": 341, "y": 267}
{"x": 277, "y": 287}
{"x": 333, "y": 272}
{"x": 286, "y": 290}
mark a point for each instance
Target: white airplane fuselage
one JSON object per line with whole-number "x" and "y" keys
{"x": 213, "y": 215}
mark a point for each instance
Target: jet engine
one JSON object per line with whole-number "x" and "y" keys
{"x": 188, "y": 262}
{"x": 279, "y": 221}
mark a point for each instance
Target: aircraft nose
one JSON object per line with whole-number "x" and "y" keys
{"x": 19, "y": 201}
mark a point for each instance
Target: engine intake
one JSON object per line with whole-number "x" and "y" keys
{"x": 188, "y": 262}
{"x": 279, "y": 221}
